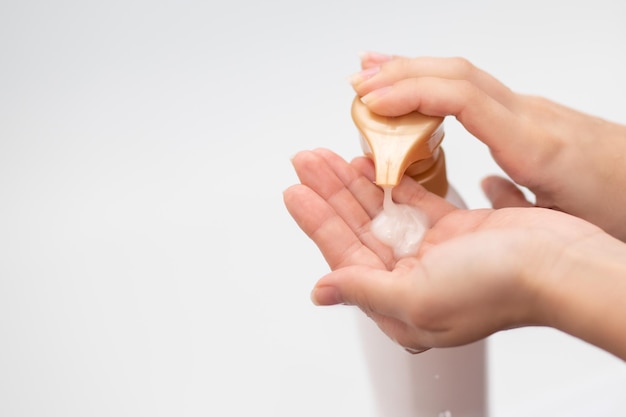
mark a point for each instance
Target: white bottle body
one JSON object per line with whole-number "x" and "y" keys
{"x": 453, "y": 196}
{"x": 437, "y": 383}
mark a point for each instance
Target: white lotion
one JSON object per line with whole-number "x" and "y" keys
{"x": 399, "y": 226}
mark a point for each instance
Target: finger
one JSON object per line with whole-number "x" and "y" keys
{"x": 362, "y": 186}
{"x": 371, "y": 59}
{"x": 386, "y": 297}
{"x": 503, "y": 193}
{"x": 397, "y": 330}
{"x": 400, "y": 332}
{"x": 346, "y": 191}
{"x": 314, "y": 171}
{"x": 362, "y": 191}
{"x": 394, "y": 70}
{"x": 433, "y": 96}
{"x": 351, "y": 178}
{"x": 484, "y": 117}
{"x": 339, "y": 245}
{"x": 373, "y": 290}
{"x": 365, "y": 167}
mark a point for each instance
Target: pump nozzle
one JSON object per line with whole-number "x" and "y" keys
{"x": 395, "y": 143}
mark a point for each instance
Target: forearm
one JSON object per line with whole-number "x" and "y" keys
{"x": 583, "y": 170}
{"x": 588, "y": 298}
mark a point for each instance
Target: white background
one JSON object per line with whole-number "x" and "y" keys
{"x": 147, "y": 264}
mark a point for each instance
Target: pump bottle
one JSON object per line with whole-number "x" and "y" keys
{"x": 445, "y": 382}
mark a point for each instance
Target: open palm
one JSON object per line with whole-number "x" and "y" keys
{"x": 470, "y": 278}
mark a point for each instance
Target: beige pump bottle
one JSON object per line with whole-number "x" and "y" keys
{"x": 447, "y": 382}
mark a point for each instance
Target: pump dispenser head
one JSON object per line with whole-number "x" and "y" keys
{"x": 397, "y": 143}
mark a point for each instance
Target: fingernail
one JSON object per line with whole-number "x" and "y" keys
{"x": 363, "y": 75}
{"x": 325, "y": 296}
{"x": 369, "y": 97}
{"x": 294, "y": 156}
{"x": 374, "y": 57}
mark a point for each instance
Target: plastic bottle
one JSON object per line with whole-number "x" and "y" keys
{"x": 447, "y": 382}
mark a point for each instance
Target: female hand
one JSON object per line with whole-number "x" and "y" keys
{"x": 477, "y": 272}
{"x": 571, "y": 161}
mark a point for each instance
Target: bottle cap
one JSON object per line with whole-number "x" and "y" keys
{"x": 395, "y": 143}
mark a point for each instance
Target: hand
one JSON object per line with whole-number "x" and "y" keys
{"x": 477, "y": 272}
{"x": 571, "y": 161}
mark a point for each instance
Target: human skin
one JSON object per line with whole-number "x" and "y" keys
{"x": 571, "y": 161}
{"x": 477, "y": 271}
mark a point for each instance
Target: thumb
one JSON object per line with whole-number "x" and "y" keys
{"x": 503, "y": 193}
{"x": 368, "y": 288}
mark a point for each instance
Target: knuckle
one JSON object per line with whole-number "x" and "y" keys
{"x": 463, "y": 67}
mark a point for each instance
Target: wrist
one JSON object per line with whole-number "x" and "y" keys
{"x": 584, "y": 293}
